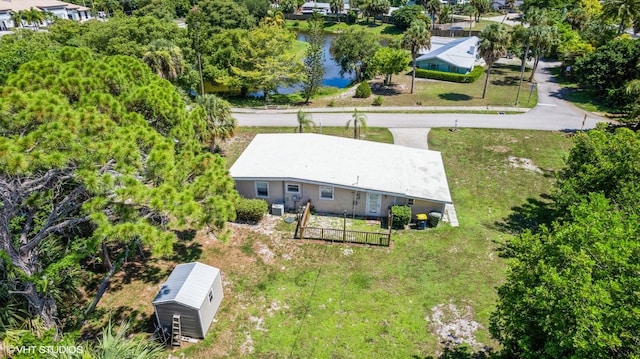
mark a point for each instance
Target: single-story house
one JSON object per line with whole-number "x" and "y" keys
{"x": 192, "y": 294}
{"x": 323, "y": 8}
{"x": 363, "y": 178}
{"x": 501, "y": 4}
{"x": 59, "y": 9}
{"x": 457, "y": 56}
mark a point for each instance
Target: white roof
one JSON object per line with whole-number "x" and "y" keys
{"x": 18, "y": 5}
{"x": 189, "y": 284}
{"x": 460, "y": 52}
{"x": 347, "y": 163}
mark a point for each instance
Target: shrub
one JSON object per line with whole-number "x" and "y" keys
{"x": 451, "y": 77}
{"x": 250, "y": 210}
{"x": 331, "y": 103}
{"x": 377, "y": 101}
{"x": 363, "y": 90}
{"x": 401, "y": 216}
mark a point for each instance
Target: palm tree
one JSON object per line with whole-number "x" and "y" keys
{"x": 434, "y": 8}
{"x": 33, "y": 16}
{"x": 274, "y": 17}
{"x": 120, "y": 345}
{"x": 414, "y": 39}
{"x": 165, "y": 59}
{"x": 17, "y": 17}
{"x": 494, "y": 42}
{"x": 336, "y": 7}
{"x": 625, "y": 11}
{"x": 304, "y": 121}
{"x": 468, "y": 9}
{"x": 220, "y": 124}
{"x": 359, "y": 120}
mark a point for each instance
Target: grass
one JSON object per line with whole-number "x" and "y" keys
{"x": 501, "y": 91}
{"x": 315, "y": 299}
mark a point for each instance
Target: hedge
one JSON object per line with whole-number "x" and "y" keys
{"x": 451, "y": 77}
{"x": 401, "y": 216}
{"x": 250, "y": 210}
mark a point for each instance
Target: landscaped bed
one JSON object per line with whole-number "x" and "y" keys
{"x": 291, "y": 298}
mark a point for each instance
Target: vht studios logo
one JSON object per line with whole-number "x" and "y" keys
{"x": 41, "y": 349}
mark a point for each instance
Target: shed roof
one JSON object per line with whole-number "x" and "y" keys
{"x": 460, "y": 52}
{"x": 342, "y": 162}
{"x": 189, "y": 284}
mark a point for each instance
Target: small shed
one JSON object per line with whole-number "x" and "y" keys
{"x": 189, "y": 299}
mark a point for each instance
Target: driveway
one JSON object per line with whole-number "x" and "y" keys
{"x": 410, "y": 137}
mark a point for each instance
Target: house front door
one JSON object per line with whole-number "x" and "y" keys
{"x": 374, "y": 202}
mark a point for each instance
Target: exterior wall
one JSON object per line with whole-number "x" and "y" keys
{"x": 354, "y": 202}
{"x": 441, "y": 66}
{"x": 425, "y": 207}
{"x": 208, "y": 309}
{"x": 189, "y": 319}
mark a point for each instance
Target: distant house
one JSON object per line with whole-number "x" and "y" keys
{"x": 501, "y": 4}
{"x": 59, "y": 9}
{"x": 192, "y": 295}
{"x": 321, "y": 7}
{"x": 458, "y": 56}
{"x": 338, "y": 174}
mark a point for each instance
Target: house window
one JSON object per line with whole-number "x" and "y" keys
{"x": 433, "y": 66}
{"x": 293, "y": 188}
{"x": 326, "y": 192}
{"x": 410, "y": 202}
{"x": 262, "y": 189}
{"x": 210, "y": 295}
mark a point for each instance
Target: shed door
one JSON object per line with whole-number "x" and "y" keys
{"x": 374, "y": 202}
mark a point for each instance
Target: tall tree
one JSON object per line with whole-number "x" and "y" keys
{"x": 416, "y": 38}
{"x": 304, "y": 121}
{"x": 625, "y": 12}
{"x": 482, "y": 7}
{"x": 353, "y": 50}
{"x": 359, "y": 122}
{"x": 494, "y": 43}
{"x": 389, "y": 61}
{"x": 434, "y": 8}
{"x": 219, "y": 122}
{"x": 96, "y": 151}
{"x": 571, "y": 290}
{"x": 314, "y": 59}
{"x": 266, "y": 62}
{"x": 336, "y": 6}
{"x": 403, "y": 17}
{"x": 165, "y": 59}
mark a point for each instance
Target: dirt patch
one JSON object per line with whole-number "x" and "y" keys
{"x": 453, "y": 325}
{"x": 521, "y": 162}
{"x": 498, "y": 149}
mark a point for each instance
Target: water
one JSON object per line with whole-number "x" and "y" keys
{"x": 331, "y": 70}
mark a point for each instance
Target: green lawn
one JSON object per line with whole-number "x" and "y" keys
{"x": 310, "y": 299}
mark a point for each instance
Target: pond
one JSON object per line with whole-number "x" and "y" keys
{"x": 331, "y": 70}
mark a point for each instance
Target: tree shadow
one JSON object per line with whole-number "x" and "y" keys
{"x": 528, "y": 216}
{"x": 462, "y": 352}
{"x": 455, "y": 96}
{"x": 139, "y": 322}
{"x": 384, "y": 90}
{"x": 506, "y": 81}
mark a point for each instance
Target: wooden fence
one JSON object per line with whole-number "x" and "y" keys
{"x": 340, "y": 235}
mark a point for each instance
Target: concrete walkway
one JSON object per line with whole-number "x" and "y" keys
{"x": 417, "y": 138}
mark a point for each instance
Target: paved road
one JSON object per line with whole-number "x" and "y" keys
{"x": 551, "y": 113}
